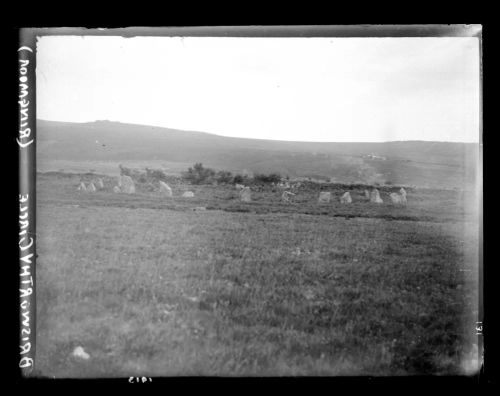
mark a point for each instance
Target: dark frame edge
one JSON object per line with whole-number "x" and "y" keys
{"x": 26, "y": 141}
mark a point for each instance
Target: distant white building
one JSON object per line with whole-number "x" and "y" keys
{"x": 375, "y": 157}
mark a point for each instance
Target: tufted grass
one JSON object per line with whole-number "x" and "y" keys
{"x": 148, "y": 287}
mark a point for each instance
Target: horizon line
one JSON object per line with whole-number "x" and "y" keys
{"x": 262, "y": 139}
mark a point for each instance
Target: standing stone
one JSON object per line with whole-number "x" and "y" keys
{"x": 324, "y": 197}
{"x": 165, "y": 189}
{"x": 286, "y": 196}
{"x": 403, "y": 195}
{"x": 82, "y": 187}
{"x": 91, "y": 188}
{"x": 367, "y": 194}
{"x": 246, "y": 194}
{"x": 100, "y": 184}
{"x": 127, "y": 184}
{"x": 346, "y": 198}
{"x": 375, "y": 197}
{"x": 396, "y": 198}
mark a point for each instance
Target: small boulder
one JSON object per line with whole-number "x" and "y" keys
{"x": 246, "y": 194}
{"x": 80, "y": 353}
{"x": 324, "y": 197}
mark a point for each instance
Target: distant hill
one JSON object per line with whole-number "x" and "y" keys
{"x": 419, "y": 163}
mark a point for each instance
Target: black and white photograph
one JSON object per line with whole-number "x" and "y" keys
{"x": 231, "y": 204}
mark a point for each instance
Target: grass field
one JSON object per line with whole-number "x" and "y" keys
{"x": 147, "y": 286}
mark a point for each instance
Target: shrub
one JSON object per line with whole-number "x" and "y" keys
{"x": 238, "y": 179}
{"x": 198, "y": 174}
{"x": 156, "y": 174}
{"x": 224, "y": 177}
{"x": 124, "y": 171}
{"x": 271, "y": 178}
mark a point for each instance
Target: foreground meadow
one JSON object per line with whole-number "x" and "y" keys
{"x": 147, "y": 286}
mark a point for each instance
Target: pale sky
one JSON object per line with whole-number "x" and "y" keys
{"x": 302, "y": 89}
